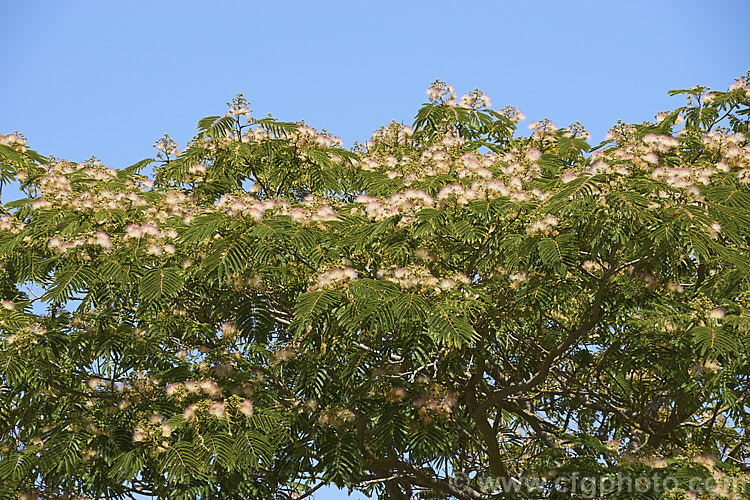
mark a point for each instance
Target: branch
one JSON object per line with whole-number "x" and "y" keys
{"x": 480, "y": 419}
{"x": 575, "y": 336}
{"x": 422, "y": 478}
{"x": 311, "y": 491}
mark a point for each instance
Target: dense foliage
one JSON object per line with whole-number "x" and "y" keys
{"x": 423, "y": 316}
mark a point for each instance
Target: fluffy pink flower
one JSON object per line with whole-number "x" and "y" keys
{"x": 189, "y": 412}
{"x": 533, "y": 154}
{"x": 102, "y": 239}
{"x": 173, "y": 388}
{"x": 156, "y": 418}
{"x": 150, "y": 230}
{"x": 134, "y": 231}
{"x": 246, "y": 408}
{"x": 717, "y": 313}
{"x": 209, "y": 387}
{"x": 568, "y": 176}
{"x": 166, "y": 429}
{"x": 216, "y": 409}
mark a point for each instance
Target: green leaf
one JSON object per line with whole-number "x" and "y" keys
{"x": 161, "y": 282}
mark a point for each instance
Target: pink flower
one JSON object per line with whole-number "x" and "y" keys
{"x": 134, "y": 231}
{"x": 189, "y": 413}
{"x": 568, "y": 176}
{"x": 156, "y": 418}
{"x": 717, "y": 313}
{"x": 297, "y": 214}
{"x": 228, "y": 330}
{"x": 216, "y": 409}
{"x": 651, "y": 158}
{"x": 674, "y": 287}
{"x": 102, "y": 239}
{"x": 533, "y": 154}
{"x": 166, "y": 429}
{"x": 246, "y": 408}
{"x": 396, "y": 394}
{"x": 41, "y": 205}
{"x": 715, "y": 230}
{"x": 173, "y": 388}
{"x": 209, "y": 387}
{"x": 705, "y": 460}
{"x": 154, "y": 250}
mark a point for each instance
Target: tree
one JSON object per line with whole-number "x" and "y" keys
{"x": 428, "y": 315}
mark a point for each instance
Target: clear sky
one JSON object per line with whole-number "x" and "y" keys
{"x": 108, "y": 78}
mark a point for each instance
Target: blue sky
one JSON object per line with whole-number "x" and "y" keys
{"x": 108, "y": 78}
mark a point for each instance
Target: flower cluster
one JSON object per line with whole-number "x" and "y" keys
{"x": 543, "y": 226}
{"x": 393, "y": 134}
{"x": 658, "y": 156}
{"x": 154, "y": 428}
{"x": 14, "y": 141}
{"x": 87, "y": 186}
{"x": 336, "y": 417}
{"x": 206, "y": 386}
{"x": 407, "y": 203}
{"x": 660, "y": 143}
{"x": 684, "y": 177}
{"x": 307, "y": 136}
{"x": 439, "y": 91}
{"x": 312, "y": 211}
{"x": 493, "y": 175}
{"x": 239, "y": 110}
{"x": 167, "y": 147}
{"x": 320, "y": 214}
{"x": 255, "y": 134}
{"x": 246, "y": 205}
{"x": 476, "y": 99}
{"x": 419, "y": 277}
{"x": 543, "y": 132}
{"x": 100, "y": 238}
{"x": 517, "y": 279}
{"x": 660, "y": 117}
{"x": 442, "y": 93}
{"x": 333, "y": 278}
{"x": 435, "y": 401}
{"x": 219, "y": 409}
{"x": 157, "y": 239}
{"x": 11, "y": 224}
{"x": 239, "y": 106}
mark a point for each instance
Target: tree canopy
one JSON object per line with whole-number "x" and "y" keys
{"x": 443, "y": 308}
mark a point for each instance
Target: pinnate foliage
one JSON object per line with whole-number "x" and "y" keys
{"x": 273, "y": 311}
